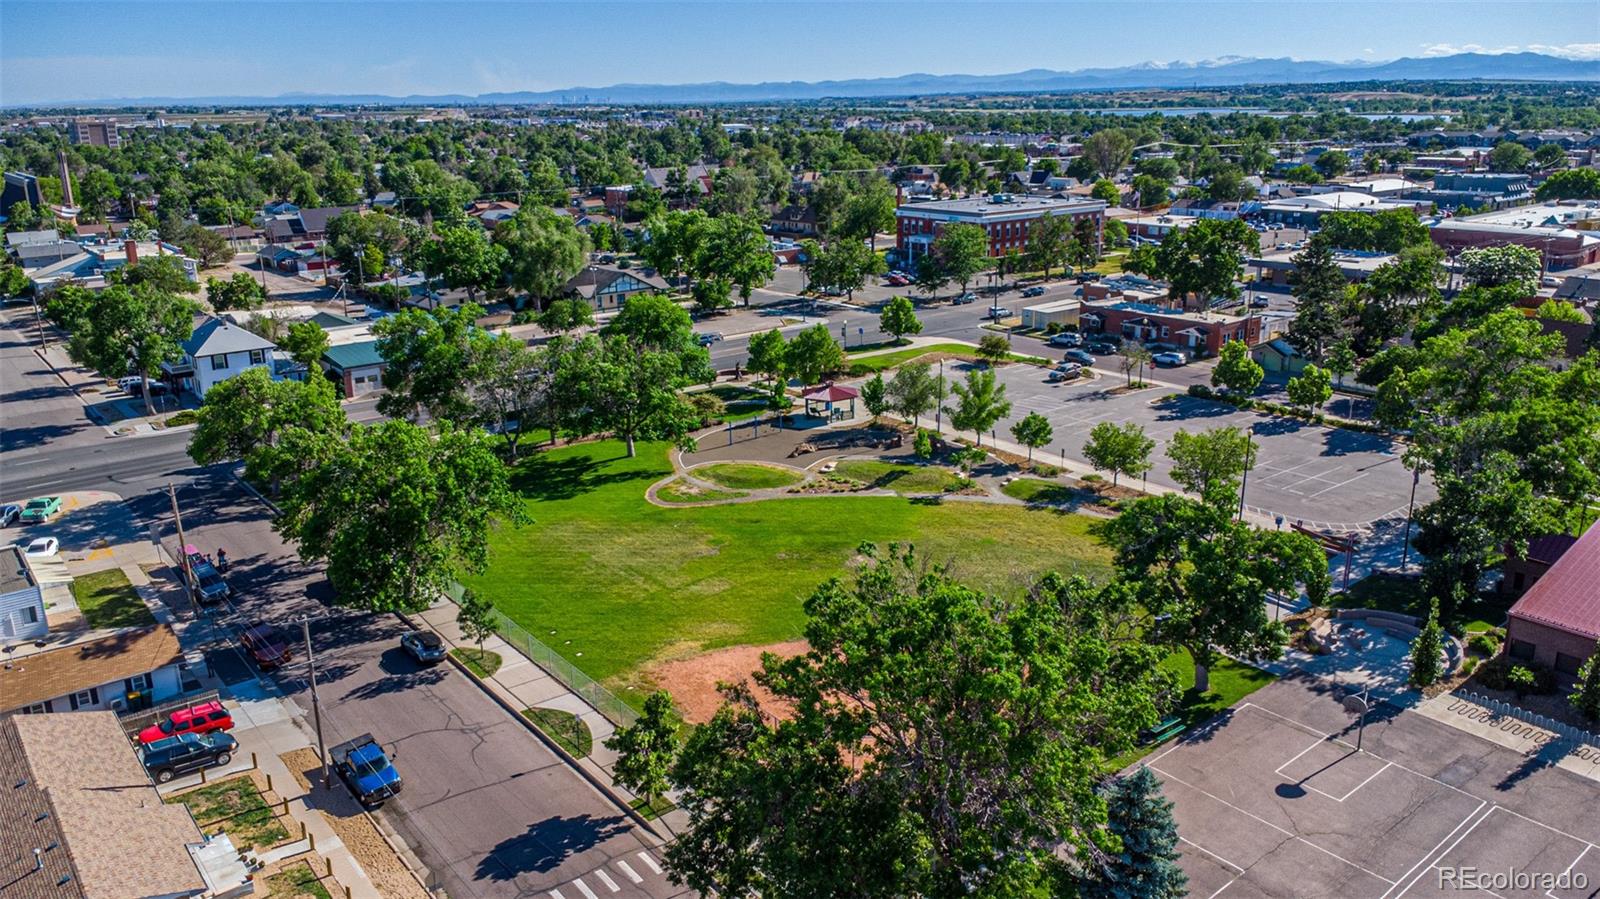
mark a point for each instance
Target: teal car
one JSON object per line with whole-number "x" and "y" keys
{"x": 42, "y": 508}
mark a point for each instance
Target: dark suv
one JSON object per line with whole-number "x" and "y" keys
{"x": 185, "y": 753}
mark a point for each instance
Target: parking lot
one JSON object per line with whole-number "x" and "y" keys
{"x": 1305, "y": 473}
{"x": 1273, "y": 799}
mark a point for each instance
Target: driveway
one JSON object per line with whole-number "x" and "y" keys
{"x": 1305, "y": 473}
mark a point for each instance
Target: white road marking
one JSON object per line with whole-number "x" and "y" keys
{"x": 626, "y": 869}
{"x": 606, "y": 879}
{"x": 556, "y": 894}
{"x": 649, "y": 862}
{"x": 584, "y": 889}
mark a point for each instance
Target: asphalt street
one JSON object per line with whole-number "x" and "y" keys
{"x": 488, "y": 808}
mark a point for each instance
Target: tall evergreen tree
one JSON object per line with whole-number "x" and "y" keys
{"x": 1146, "y": 867}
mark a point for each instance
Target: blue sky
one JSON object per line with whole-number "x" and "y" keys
{"x": 60, "y": 51}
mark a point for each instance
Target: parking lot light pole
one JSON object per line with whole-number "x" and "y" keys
{"x": 1411, "y": 507}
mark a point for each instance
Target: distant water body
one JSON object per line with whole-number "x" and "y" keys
{"x": 1187, "y": 111}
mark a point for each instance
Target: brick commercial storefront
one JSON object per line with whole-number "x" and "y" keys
{"x": 1557, "y": 622}
{"x": 1004, "y": 217}
{"x": 1201, "y": 334}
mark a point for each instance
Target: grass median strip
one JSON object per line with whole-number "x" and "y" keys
{"x": 482, "y": 662}
{"x": 747, "y": 475}
{"x": 902, "y": 479}
{"x": 567, "y": 729}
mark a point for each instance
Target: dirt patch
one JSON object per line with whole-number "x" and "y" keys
{"x": 693, "y": 681}
{"x": 355, "y": 829}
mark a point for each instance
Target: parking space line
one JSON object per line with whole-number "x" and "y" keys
{"x": 584, "y": 889}
{"x": 628, "y": 870}
{"x": 1570, "y": 867}
{"x": 649, "y": 862}
{"x": 606, "y": 879}
{"x": 1438, "y": 855}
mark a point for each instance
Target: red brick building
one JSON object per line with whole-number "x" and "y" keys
{"x": 1556, "y": 623}
{"x": 1561, "y": 248}
{"x": 1005, "y": 217}
{"x": 1201, "y": 334}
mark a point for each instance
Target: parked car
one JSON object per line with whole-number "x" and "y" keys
{"x": 1033, "y": 292}
{"x": 1170, "y": 360}
{"x": 997, "y": 312}
{"x": 1259, "y": 302}
{"x": 1102, "y": 348}
{"x": 42, "y": 548}
{"x": 1081, "y": 357}
{"x": 896, "y": 281}
{"x": 708, "y": 339}
{"x": 9, "y": 513}
{"x": 1066, "y": 371}
{"x": 266, "y": 645}
{"x": 424, "y": 646}
{"x": 134, "y": 385}
{"x": 42, "y": 508}
{"x": 185, "y": 753}
{"x": 196, "y": 719}
{"x": 365, "y": 769}
{"x": 209, "y": 585}
{"x": 1086, "y": 277}
{"x": 1065, "y": 339}
{"x": 965, "y": 298}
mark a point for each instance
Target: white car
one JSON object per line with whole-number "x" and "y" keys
{"x": 42, "y": 548}
{"x": 1172, "y": 360}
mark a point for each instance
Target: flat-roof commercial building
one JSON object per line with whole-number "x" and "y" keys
{"x": 1307, "y": 211}
{"x": 1556, "y": 230}
{"x": 1005, "y": 217}
{"x": 94, "y": 132}
{"x": 1202, "y": 334}
{"x": 1557, "y": 622}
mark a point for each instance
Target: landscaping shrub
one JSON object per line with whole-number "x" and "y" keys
{"x": 1201, "y": 391}
{"x": 1521, "y": 680}
{"x": 922, "y": 445}
{"x": 179, "y": 419}
{"x": 1046, "y": 471}
{"x": 1483, "y": 644}
{"x": 709, "y": 409}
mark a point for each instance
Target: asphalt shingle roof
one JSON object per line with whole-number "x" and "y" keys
{"x": 218, "y": 336}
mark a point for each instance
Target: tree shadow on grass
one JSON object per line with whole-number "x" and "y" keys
{"x": 544, "y": 478}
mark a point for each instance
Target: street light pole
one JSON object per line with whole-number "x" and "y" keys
{"x": 1249, "y": 458}
{"x": 1405, "y": 551}
{"x": 316, "y": 707}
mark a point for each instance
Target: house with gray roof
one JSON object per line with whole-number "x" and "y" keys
{"x": 218, "y": 350}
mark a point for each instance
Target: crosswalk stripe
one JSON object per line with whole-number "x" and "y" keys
{"x": 584, "y": 889}
{"x": 632, "y": 875}
{"x": 606, "y": 879}
{"x": 556, "y": 894}
{"x": 649, "y": 862}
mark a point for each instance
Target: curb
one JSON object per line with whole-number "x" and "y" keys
{"x": 605, "y": 789}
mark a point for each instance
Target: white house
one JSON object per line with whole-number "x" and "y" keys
{"x": 22, "y": 616}
{"x": 218, "y": 350}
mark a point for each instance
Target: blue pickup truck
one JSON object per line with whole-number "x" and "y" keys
{"x": 365, "y": 769}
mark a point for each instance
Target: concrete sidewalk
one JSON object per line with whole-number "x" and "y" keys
{"x": 522, "y": 684}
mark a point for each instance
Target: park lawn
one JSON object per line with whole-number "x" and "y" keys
{"x": 740, "y": 403}
{"x": 748, "y": 476}
{"x": 1034, "y": 490}
{"x": 1231, "y": 682}
{"x": 885, "y": 361}
{"x": 678, "y": 490}
{"x": 902, "y": 479}
{"x": 621, "y": 583}
{"x": 108, "y": 600}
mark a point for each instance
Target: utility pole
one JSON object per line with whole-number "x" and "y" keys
{"x": 183, "y": 549}
{"x": 316, "y": 707}
{"x": 1405, "y": 552}
{"x": 1249, "y": 454}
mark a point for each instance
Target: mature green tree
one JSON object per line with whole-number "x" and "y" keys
{"x": 1427, "y": 651}
{"x": 907, "y": 790}
{"x": 875, "y": 396}
{"x": 124, "y": 329}
{"x": 963, "y": 251}
{"x": 426, "y": 188}
{"x": 930, "y": 275}
{"x": 566, "y": 315}
{"x": 1389, "y": 231}
{"x": 844, "y": 265}
{"x": 13, "y": 281}
{"x": 1212, "y": 463}
{"x": 1509, "y": 156}
{"x": 1550, "y": 156}
{"x": 365, "y": 243}
{"x": 632, "y": 390}
{"x": 674, "y": 240}
{"x": 398, "y": 513}
{"x": 1137, "y": 354}
{"x": 1120, "y": 449}
{"x": 993, "y": 348}
{"x": 1047, "y": 242}
{"x": 503, "y": 373}
{"x": 1303, "y": 174}
{"x": 899, "y": 318}
{"x": 1106, "y": 190}
{"x": 203, "y": 245}
{"x": 768, "y": 353}
{"x": 812, "y": 354}
{"x": 734, "y": 192}
{"x": 250, "y": 417}
{"x": 1083, "y": 250}
{"x": 1235, "y": 371}
{"x": 914, "y": 391}
{"x": 980, "y": 401}
{"x": 1502, "y": 266}
{"x": 868, "y": 211}
{"x": 1332, "y": 163}
{"x": 1202, "y": 576}
{"x": 465, "y": 258}
{"x": 1108, "y": 151}
{"x": 427, "y": 358}
{"x": 1397, "y": 295}
{"x": 646, "y": 749}
{"x": 1150, "y": 191}
{"x": 1572, "y": 184}
{"x": 1032, "y": 431}
{"x": 543, "y": 252}
{"x": 1311, "y": 388}
{"x": 1586, "y": 698}
{"x": 23, "y": 216}
{"x": 1325, "y": 303}
{"x": 711, "y": 295}
{"x": 238, "y": 292}
{"x": 163, "y": 273}
{"x": 1205, "y": 259}
{"x": 305, "y": 343}
{"x": 735, "y": 250}
{"x": 1144, "y": 862}
{"x": 476, "y": 617}
{"x": 654, "y": 322}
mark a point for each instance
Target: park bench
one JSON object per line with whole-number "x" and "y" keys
{"x": 1165, "y": 729}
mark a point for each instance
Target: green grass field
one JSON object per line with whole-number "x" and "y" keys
{"x": 884, "y": 361}
{"x": 747, "y": 476}
{"x": 612, "y": 582}
{"x": 108, "y": 600}
{"x": 1034, "y": 490}
{"x": 678, "y": 490}
{"x": 902, "y": 479}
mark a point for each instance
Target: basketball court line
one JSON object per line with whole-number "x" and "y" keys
{"x": 1571, "y": 866}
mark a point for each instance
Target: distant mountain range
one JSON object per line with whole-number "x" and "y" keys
{"x": 1227, "y": 72}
